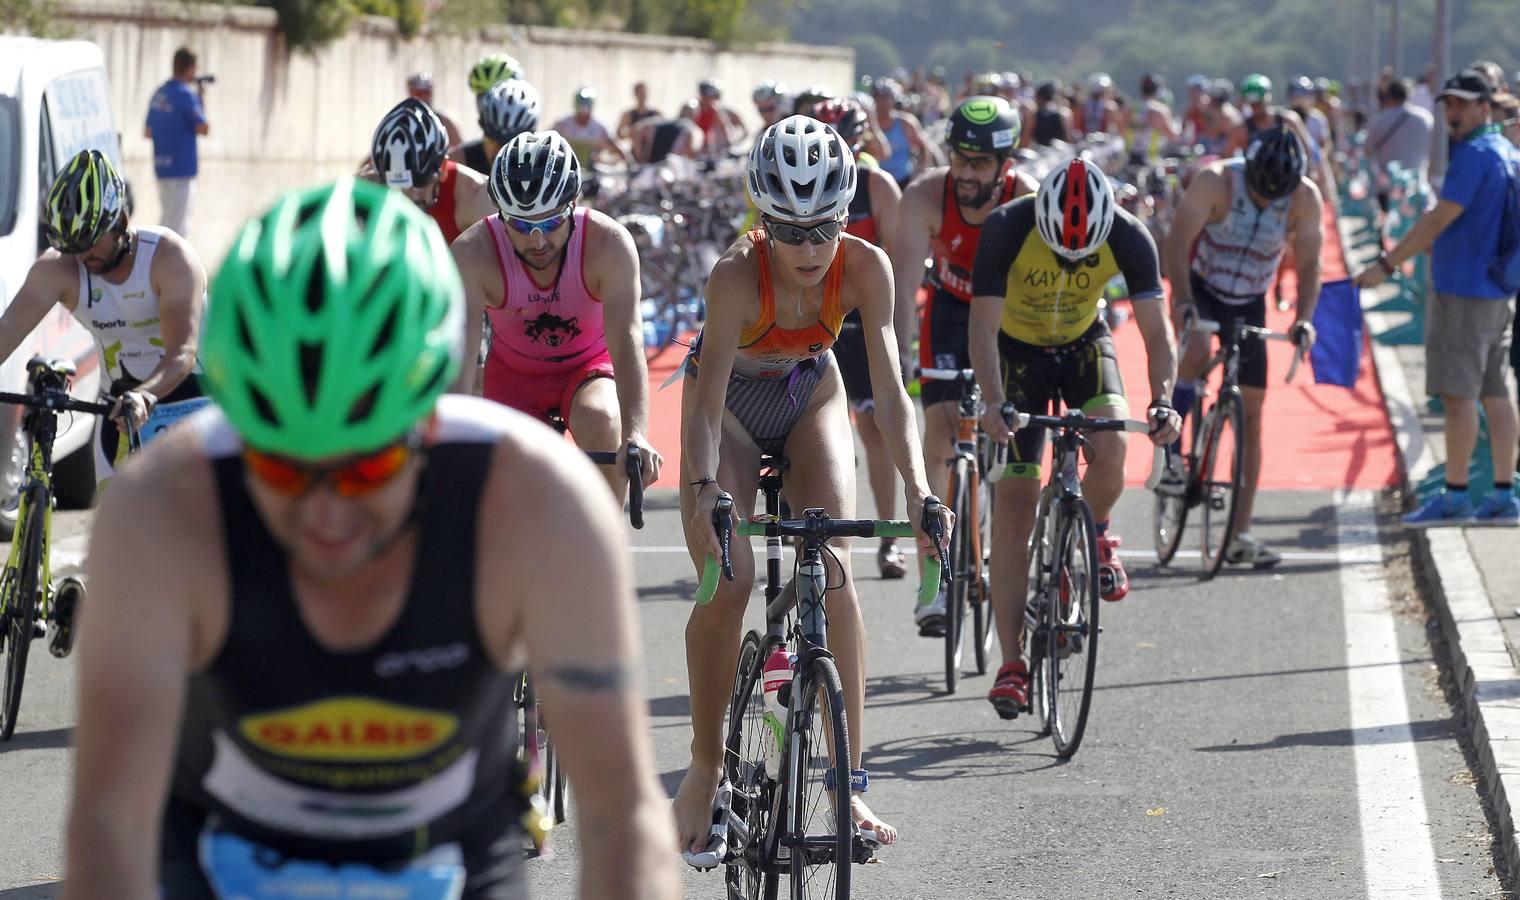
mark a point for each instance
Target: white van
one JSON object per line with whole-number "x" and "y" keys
{"x": 55, "y": 100}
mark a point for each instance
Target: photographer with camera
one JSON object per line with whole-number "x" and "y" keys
{"x": 176, "y": 115}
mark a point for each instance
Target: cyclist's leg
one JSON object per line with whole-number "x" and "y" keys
{"x": 1253, "y": 391}
{"x": 823, "y": 475}
{"x": 712, "y": 631}
{"x": 1093, "y": 384}
{"x": 855, "y": 368}
{"x": 1013, "y": 514}
{"x": 590, "y": 408}
{"x": 942, "y": 345}
{"x": 1193, "y": 357}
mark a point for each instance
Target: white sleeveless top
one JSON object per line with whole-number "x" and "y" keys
{"x": 124, "y": 318}
{"x": 1238, "y": 257}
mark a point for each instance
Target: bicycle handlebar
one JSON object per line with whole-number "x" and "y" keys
{"x": 1191, "y": 323}
{"x": 633, "y": 467}
{"x": 57, "y": 401}
{"x": 723, "y": 523}
{"x": 1160, "y": 461}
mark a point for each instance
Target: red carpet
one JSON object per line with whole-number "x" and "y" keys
{"x": 1319, "y": 437}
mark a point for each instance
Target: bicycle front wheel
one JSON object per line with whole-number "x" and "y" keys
{"x": 1169, "y": 514}
{"x": 823, "y": 831}
{"x": 962, "y": 571}
{"x": 1221, "y": 470}
{"x": 19, "y": 598}
{"x": 1036, "y": 620}
{"x": 749, "y": 747}
{"x": 982, "y": 629}
{"x": 1071, "y": 648}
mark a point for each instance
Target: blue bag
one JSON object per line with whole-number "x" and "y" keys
{"x": 1337, "y": 351}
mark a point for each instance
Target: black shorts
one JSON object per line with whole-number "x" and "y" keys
{"x": 1047, "y": 380}
{"x": 1253, "y": 353}
{"x": 854, "y": 367}
{"x": 943, "y": 344}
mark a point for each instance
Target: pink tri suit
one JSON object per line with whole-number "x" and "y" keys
{"x": 546, "y": 342}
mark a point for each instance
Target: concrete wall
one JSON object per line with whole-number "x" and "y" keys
{"x": 281, "y": 120}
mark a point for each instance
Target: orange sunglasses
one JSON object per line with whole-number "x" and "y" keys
{"x": 355, "y": 477}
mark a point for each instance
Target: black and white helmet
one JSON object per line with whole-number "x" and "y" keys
{"x": 409, "y": 146}
{"x": 508, "y": 109}
{"x": 534, "y": 175}
{"x": 801, "y": 170}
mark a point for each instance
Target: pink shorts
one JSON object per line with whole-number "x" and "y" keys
{"x": 541, "y": 396}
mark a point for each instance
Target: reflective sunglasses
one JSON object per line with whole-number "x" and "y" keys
{"x": 355, "y": 477}
{"x": 530, "y": 227}
{"x": 796, "y": 235}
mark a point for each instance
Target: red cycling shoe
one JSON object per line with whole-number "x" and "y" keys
{"x": 1113, "y": 583}
{"x": 1010, "y": 692}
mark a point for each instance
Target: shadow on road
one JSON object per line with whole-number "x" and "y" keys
{"x": 963, "y": 754}
{"x": 673, "y": 706}
{"x": 32, "y": 892}
{"x": 1309, "y": 670}
{"x": 685, "y": 589}
{"x": 1436, "y": 730}
{"x": 52, "y": 739}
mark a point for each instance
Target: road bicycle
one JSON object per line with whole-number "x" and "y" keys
{"x": 1213, "y": 464}
{"x": 1061, "y": 616}
{"x": 784, "y": 803}
{"x": 970, "y": 499}
{"x": 28, "y": 597}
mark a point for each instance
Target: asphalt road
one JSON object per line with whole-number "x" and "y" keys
{"x": 1282, "y": 734}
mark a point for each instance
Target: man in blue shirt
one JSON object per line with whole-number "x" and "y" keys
{"x": 1468, "y": 320}
{"x": 175, "y": 116}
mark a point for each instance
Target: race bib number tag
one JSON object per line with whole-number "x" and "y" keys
{"x": 239, "y": 868}
{"x": 167, "y": 415}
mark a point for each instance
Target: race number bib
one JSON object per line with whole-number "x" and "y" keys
{"x": 167, "y": 415}
{"x": 238, "y": 868}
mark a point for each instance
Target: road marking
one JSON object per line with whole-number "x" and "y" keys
{"x": 1396, "y": 850}
{"x": 1294, "y": 555}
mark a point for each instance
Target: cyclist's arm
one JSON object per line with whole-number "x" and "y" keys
{"x": 472, "y": 202}
{"x": 180, "y": 282}
{"x": 611, "y": 146}
{"x": 616, "y": 280}
{"x": 886, "y": 197}
{"x": 730, "y": 288}
{"x": 450, "y": 129}
{"x": 995, "y": 252}
{"x": 473, "y": 254}
{"x": 908, "y": 245}
{"x": 920, "y": 140}
{"x": 574, "y": 615}
{"x": 47, "y": 284}
{"x": 1193, "y": 213}
{"x": 625, "y": 126}
{"x": 137, "y": 640}
{"x": 1135, "y": 252}
{"x": 1308, "y": 233}
{"x": 871, "y": 282}
{"x": 734, "y": 122}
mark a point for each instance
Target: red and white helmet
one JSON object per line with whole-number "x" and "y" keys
{"x": 1075, "y": 208}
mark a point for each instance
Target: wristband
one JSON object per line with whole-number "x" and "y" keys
{"x": 703, "y": 482}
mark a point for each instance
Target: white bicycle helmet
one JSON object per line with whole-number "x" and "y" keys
{"x": 409, "y": 146}
{"x": 1075, "y": 208}
{"x": 801, "y": 170}
{"x": 508, "y": 109}
{"x": 768, "y": 91}
{"x": 535, "y": 174}
{"x": 1099, "y": 81}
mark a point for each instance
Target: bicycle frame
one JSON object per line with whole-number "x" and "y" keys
{"x": 37, "y": 490}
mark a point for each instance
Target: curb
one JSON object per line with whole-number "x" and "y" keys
{"x": 1485, "y": 671}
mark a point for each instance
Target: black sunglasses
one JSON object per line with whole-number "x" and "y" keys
{"x": 796, "y": 235}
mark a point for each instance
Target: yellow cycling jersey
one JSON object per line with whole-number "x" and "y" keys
{"x": 1050, "y": 301}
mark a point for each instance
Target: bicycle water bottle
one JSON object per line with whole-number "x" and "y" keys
{"x": 776, "y": 679}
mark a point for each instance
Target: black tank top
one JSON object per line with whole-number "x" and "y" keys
{"x": 1048, "y": 127}
{"x": 663, "y": 140}
{"x": 475, "y": 156}
{"x": 372, "y": 755}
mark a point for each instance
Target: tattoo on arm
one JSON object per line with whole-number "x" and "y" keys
{"x": 590, "y": 679}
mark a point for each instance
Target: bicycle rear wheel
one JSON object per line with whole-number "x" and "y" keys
{"x": 982, "y": 629}
{"x": 1221, "y": 467}
{"x": 1072, "y": 639}
{"x": 748, "y": 746}
{"x": 1169, "y": 513}
{"x": 19, "y": 598}
{"x": 825, "y": 834}
{"x": 962, "y": 571}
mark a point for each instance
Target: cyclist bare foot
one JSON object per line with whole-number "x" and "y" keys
{"x": 866, "y": 821}
{"x": 693, "y": 807}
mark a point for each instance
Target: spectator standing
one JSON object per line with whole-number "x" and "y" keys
{"x": 176, "y": 117}
{"x": 1400, "y": 132}
{"x": 638, "y": 113}
{"x": 420, "y": 87}
{"x": 1468, "y": 320}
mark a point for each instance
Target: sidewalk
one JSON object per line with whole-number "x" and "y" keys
{"x": 1473, "y": 574}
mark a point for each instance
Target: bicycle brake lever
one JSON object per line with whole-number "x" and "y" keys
{"x": 723, "y": 523}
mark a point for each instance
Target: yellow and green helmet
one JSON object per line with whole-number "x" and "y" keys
{"x": 493, "y": 69}
{"x": 86, "y": 201}
{"x": 335, "y": 323}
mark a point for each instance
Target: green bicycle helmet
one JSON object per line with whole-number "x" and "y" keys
{"x": 1255, "y": 87}
{"x": 985, "y": 124}
{"x": 335, "y": 323}
{"x": 493, "y": 69}
{"x": 86, "y": 201}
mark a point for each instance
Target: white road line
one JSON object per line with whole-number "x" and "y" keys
{"x": 1293, "y": 555}
{"x": 1396, "y": 848}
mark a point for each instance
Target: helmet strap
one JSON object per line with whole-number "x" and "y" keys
{"x": 125, "y": 244}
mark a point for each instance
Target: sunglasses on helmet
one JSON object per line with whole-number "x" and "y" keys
{"x": 797, "y": 235}
{"x": 530, "y": 227}
{"x": 357, "y": 476}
